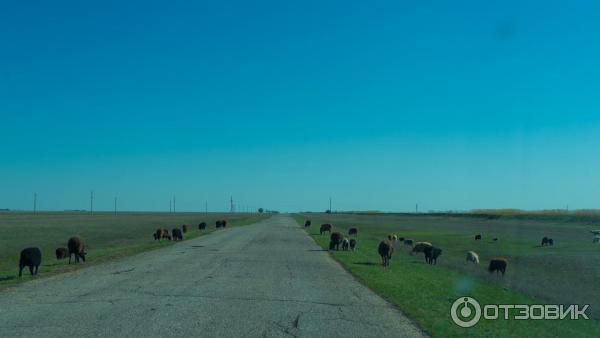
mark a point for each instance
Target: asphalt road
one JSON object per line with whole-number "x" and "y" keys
{"x": 267, "y": 279}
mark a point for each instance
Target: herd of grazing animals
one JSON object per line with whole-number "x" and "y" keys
{"x": 77, "y": 248}
{"x": 32, "y": 257}
{"x": 431, "y": 253}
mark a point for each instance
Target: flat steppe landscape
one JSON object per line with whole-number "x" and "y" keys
{"x": 565, "y": 273}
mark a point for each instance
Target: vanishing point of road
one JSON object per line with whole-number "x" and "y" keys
{"x": 267, "y": 279}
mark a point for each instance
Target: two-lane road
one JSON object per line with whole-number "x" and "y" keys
{"x": 266, "y": 279}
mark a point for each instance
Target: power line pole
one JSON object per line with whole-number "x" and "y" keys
{"x": 34, "y": 203}
{"x": 231, "y": 207}
{"x": 92, "y": 202}
{"x": 206, "y": 207}
{"x": 115, "y": 206}
{"x": 330, "y": 205}
{"x": 170, "y": 206}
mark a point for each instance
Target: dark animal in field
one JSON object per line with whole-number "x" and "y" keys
{"x": 184, "y": 228}
{"x": 472, "y": 256}
{"x": 345, "y": 244}
{"x": 408, "y": 242}
{"x": 223, "y": 223}
{"x": 420, "y": 247}
{"x": 498, "y": 264}
{"x": 431, "y": 254}
{"x": 202, "y": 226}
{"x": 157, "y": 234}
{"x": 325, "y": 228}
{"x": 61, "y": 253}
{"x": 76, "y": 246}
{"x": 401, "y": 239}
{"x": 177, "y": 235}
{"x": 353, "y": 244}
{"x": 385, "y": 250}
{"x": 477, "y": 237}
{"x": 307, "y": 223}
{"x": 496, "y": 239}
{"x": 547, "y": 241}
{"x": 392, "y": 238}
{"x": 218, "y": 224}
{"x": 353, "y": 231}
{"x": 31, "y": 258}
{"x": 165, "y": 234}
{"x": 335, "y": 240}
{"x": 596, "y": 239}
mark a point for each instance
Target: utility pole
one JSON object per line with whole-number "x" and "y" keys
{"x": 34, "y": 203}
{"x": 115, "y": 206}
{"x": 206, "y": 207}
{"x": 231, "y": 207}
{"x": 92, "y": 203}
{"x": 330, "y": 205}
{"x": 170, "y": 206}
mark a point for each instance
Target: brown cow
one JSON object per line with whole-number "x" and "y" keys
{"x": 325, "y": 228}
{"x": 498, "y": 264}
{"x": 385, "y": 250}
{"x": 76, "y": 247}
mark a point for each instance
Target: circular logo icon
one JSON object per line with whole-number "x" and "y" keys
{"x": 463, "y": 309}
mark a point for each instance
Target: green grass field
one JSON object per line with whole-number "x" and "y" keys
{"x": 107, "y": 236}
{"x": 566, "y": 273}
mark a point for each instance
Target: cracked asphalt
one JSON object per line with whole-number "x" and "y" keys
{"x": 268, "y": 279}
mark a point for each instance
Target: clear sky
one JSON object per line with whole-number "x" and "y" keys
{"x": 378, "y": 104}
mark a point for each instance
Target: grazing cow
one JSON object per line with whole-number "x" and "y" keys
{"x": 545, "y": 241}
{"x": 472, "y": 256}
{"x": 218, "y": 224}
{"x": 401, "y": 239}
{"x": 498, "y": 264}
{"x": 184, "y": 228}
{"x": 335, "y": 240}
{"x": 307, "y": 223}
{"x": 392, "y": 238}
{"x": 477, "y": 237}
{"x": 345, "y": 244}
{"x": 76, "y": 246}
{"x": 61, "y": 253}
{"x": 550, "y": 242}
{"x": 431, "y": 254}
{"x": 408, "y": 242}
{"x": 157, "y": 234}
{"x": 353, "y": 244}
{"x": 165, "y": 234}
{"x": 31, "y": 258}
{"x": 325, "y": 228}
{"x": 385, "y": 250}
{"x": 420, "y": 247}
{"x": 353, "y": 231}
{"x": 202, "y": 226}
{"x": 223, "y": 223}
{"x": 177, "y": 235}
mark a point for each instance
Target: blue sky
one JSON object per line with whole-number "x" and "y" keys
{"x": 281, "y": 104}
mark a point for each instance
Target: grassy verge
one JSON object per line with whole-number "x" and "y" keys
{"x": 108, "y": 236}
{"x": 425, "y": 293}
